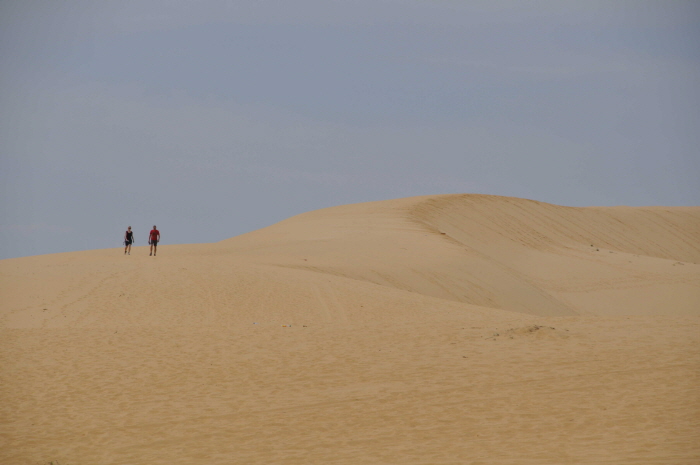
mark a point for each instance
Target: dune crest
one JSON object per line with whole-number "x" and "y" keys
{"x": 490, "y": 252}
{"x": 500, "y": 252}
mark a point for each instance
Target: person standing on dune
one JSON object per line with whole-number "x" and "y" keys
{"x": 153, "y": 239}
{"x": 128, "y": 240}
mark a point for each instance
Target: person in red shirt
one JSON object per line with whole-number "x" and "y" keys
{"x": 153, "y": 239}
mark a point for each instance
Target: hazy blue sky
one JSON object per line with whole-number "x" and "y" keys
{"x": 215, "y": 118}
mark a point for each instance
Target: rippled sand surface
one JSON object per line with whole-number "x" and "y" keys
{"x": 430, "y": 330}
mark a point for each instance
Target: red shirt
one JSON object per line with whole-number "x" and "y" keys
{"x": 155, "y": 235}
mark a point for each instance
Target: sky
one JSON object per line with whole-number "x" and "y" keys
{"x": 214, "y": 118}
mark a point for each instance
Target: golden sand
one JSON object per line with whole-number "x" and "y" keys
{"x": 461, "y": 329}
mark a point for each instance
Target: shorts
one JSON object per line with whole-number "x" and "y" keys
{"x": 127, "y": 243}
{"x": 154, "y": 243}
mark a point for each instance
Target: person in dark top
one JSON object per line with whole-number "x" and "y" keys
{"x": 128, "y": 240}
{"x": 153, "y": 239}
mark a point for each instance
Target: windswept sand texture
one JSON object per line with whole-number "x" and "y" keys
{"x": 461, "y": 329}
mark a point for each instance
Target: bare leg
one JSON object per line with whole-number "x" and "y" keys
{"x": 155, "y": 248}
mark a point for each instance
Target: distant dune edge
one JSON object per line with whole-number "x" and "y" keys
{"x": 500, "y": 252}
{"x": 488, "y": 251}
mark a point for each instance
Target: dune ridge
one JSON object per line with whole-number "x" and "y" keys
{"x": 439, "y": 329}
{"x": 478, "y": 249}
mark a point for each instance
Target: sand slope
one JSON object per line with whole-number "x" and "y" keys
{"x": 499, "y": 252}
{"x": 441, "y": 329}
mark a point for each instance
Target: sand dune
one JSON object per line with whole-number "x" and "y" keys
{"x": 441, "y": 329}
{"x": 499, "y": 252}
